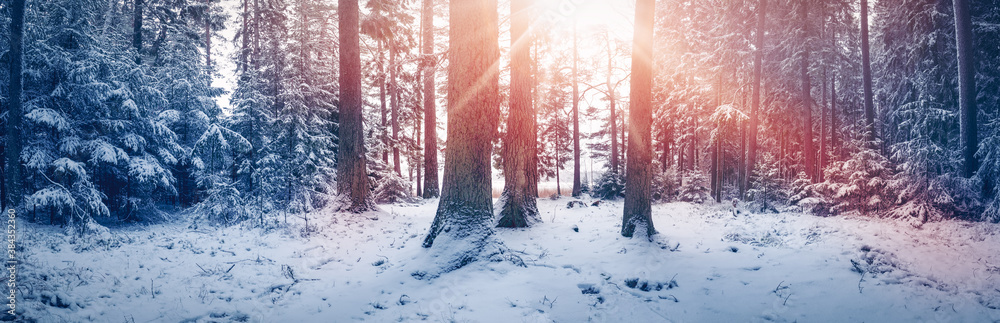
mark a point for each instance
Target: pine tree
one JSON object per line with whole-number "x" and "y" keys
{"x": 966, "y": 87}
{"x": 517, "y": 202}
{"x": 430, "y": 111}
{"x": 464, "y": 218}
{"x": 352, "y": 179}
{"x": 13, "y": 181}
{"x": 637, "y": 217}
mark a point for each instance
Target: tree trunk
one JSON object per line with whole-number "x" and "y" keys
{"x": 621, "y": 155}
{"x": 692, "y": 147}
{"x": 517, "y": 203}
{"x": 383, "y": 107}
{"x": 665, "y": 147}
{"x": 742, "y": 166}
{"x": 611, "y": 103}
{"x": 137, "y": 29}
{"x": 822, "y": 132}
{"x": 208, "y": 34}
{"x": 558, "y": 183}
{"x": 414, "y": 160}
{"x": 394, "y": 102}
{"x": 614, "y": 136}
{"x": 576, "y": 118}
{"x": 13, "y": 145}
{"x": 255, "y": 57}
{"x": 715, "y": 167}
{"x": 245, "y": 43}
{"x": 352, "y": 181}
{"x": 637, "y": 214}
{"x": 823, "y": 107}
{"x": 866, "y": 74}
{"x": 808, "y": 150}
{"x": 833, "y": 115}
{"x": 966, "y": 88}
{"x": 13, "y": 148}
{"x": 464, "y": 218}
{"x": 430, "y": 111}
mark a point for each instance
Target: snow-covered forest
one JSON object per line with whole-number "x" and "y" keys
{"x": 498, "y": 161}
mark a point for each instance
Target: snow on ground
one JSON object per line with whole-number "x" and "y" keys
{"x": 706, "y": 265}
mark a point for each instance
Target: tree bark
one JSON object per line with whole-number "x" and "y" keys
{"x": 758, "y": 61}
{"x": 394, "y": 103}
{"x": 576, "y": 118}
{"x": 13, "y": 148}
{"x": 966, "y": 88}
{"x": 613, "y": 118}
{"x": 137, "y": 29}
{"x": 383, "y": 107}
{"x": 208, "y": 34}
{"x": 430, "y": 111}
{"x": 465, "y": 212}
{"x": 414, "y": 161}
{"x": 518, "y": 207}
{"x": 866, "y": 74}
{"x": 245, "y": 43}
{"x": 833, "y": 115}
{"x": 637, "y": 214}
{"x": 352, "y": 181}
{"x": 808, "y": 150}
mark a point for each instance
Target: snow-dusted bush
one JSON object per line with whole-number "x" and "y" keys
{"x": 222, "y": 204}
{"x": 666, "y": 185}
{"x": 215, "y": 156}
{"x": 860, "y": 183}
{"x": 610, "y": 186}
{"x": 695, "y": 188}
{"x": 392, "y": 188}
{"x": 768, "y": 189}
{"x": 804, "y": 195}
{"x": 989, "y": 172}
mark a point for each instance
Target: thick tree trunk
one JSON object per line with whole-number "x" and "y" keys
{"x": 464, "y": 218}
{"x": 352, "y": 178}
{"x": 576, "y": 117}
{"x": 517, "y": 203}
{"x": 637, "y": 214}
{"x": 866, "y": 74}
{"x": 430, "y": 111}
{"x": 13, "y": 148}
{"x": 966, "y": 88}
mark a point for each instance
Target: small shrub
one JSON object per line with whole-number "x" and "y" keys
{"x": 610, "y": 186}
{"x": 694, "y": 188}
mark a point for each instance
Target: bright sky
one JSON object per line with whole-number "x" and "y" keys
{"x": 616, "y": 15}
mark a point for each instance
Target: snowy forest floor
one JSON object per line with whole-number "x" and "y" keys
{"x": 705, "y": 265}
